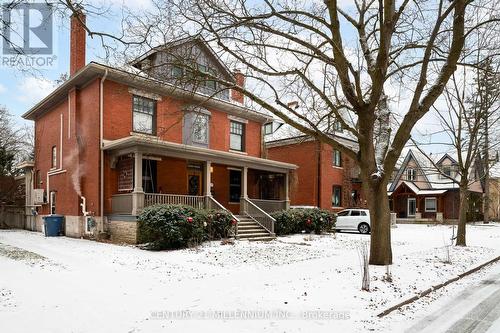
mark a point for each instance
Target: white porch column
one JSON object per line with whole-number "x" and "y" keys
{"x": 244, "y": 185}
{"x": 208, "y": 178}
{"x": 287, "y": 189}
{"x": 138, "y": 193}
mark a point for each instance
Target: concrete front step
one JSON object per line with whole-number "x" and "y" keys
{"x": 251, "y": 231}
{"x": 262, "y": 239}
{"x": 254, "y": 234}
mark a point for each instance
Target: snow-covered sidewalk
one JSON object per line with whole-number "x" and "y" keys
{"x": 71, "y": 285}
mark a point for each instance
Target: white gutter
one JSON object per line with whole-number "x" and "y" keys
{"x": 101, "y": 145}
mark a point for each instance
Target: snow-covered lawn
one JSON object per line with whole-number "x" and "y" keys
{"x": 71, "y": 285}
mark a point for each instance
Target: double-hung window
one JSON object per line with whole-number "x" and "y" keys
{"x": 337, "y": 158}
{"x": 411, "y": 174}
{"x": 144, "y": 115}
{"x": 237, "y": 136}
{"x": 337, "y": 196}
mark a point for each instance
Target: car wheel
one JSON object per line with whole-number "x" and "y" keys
{"x": 364, "y": 228}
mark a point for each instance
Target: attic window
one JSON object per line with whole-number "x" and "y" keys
{"x": 207, "y": 83}
{"x": 268, "y": 128}
{"x": 411, "y": 174}
{"x": 337, "y": 126}
{"x": 445, "y": 172}
{"x": 177, "y": 72}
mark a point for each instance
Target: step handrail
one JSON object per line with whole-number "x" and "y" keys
{"x": 219, "y": 205}
{"x": 265, "y": 220}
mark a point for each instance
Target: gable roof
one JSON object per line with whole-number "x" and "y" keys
{"x": 183, "y": 41}
{"x": 419, "y": 160}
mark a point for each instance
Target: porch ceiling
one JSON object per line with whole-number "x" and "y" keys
{"x": 154, "y": 146}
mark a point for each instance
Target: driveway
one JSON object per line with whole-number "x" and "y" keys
{"x": 475, "y": 310}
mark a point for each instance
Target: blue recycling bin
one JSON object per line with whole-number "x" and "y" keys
{"x": 53, "y": 225}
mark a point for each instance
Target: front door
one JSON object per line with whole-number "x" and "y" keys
{"x": 195, "y": 179}
{"x": 412, "y": 207}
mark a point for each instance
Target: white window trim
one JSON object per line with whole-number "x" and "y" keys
{"x": 144, "y": 94}
{"x": 237, "y": 119}
{"x": 428, "y": 210}
{"x": 414, "y": 174}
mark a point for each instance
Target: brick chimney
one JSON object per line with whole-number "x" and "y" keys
{"x": 78, "y": 37}
{"x": 240, "y": 81}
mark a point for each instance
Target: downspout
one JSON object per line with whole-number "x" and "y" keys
{"x": 101, "y": 131}
{"x": 318, "y": 185}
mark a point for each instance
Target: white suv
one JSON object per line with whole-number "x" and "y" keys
{"x": 354, "y": 219}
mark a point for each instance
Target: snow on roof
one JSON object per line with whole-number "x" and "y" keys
{"x": 495, "y": 170}
{"x": 418, "y": 191}
{"x": 287, "y": 133}
{"x": 426, "y": 163}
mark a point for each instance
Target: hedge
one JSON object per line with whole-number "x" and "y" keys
{"x": 178, "y": 226}
{"x": 294, "y": 221}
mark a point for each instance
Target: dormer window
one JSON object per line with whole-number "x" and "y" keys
{"x": 445, "y": 172}
{"x": 337, "y": 126}
{"x": 411, "y": 174}
{"x": 268, "y": 129}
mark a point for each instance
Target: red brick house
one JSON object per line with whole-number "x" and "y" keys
{"x": 420, "y": 191}
{"x": 110, "y": 141}
{"x": 326, "y": 178}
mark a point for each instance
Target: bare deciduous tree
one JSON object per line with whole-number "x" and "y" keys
{"x": 341, "y": 61}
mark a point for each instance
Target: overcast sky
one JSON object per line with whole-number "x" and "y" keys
{"x": 19, "y": 91}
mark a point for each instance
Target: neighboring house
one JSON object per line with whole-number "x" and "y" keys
{"x": 110, "y": 141}
{"x": 421, "y": 190}
{"x": 326, "y": 178}
{"x": 494, "y": 199}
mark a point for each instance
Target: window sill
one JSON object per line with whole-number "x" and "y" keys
{"x": 233, "y": 203}
{"x": 146, "y": 135}
{"x": 337, "y": 167}
{"x": 238, "y": 152}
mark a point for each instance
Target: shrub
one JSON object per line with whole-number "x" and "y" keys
{"x": 297, "y": 220}
{"x": 219, "y": 224}
{"x": 170, "y": 226}
{"x": 178, "y": 226}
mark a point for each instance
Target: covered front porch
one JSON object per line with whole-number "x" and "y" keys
{"x": 413, "y": 204}
{"x": 143, "y": 172}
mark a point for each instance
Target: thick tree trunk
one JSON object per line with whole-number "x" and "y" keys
{"x": 380, "y": 216}
{"x": 486, "y": 198}
{"x": 462, "y": 215}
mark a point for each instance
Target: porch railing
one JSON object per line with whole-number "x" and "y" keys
{"x": 269, "y": 206}
{"x": 196, "y": 201}
{"x": 121, "y": 203}
{"x": 257, "y": 214}
{"x": 214, "y": 204}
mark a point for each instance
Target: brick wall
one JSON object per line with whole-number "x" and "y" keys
{"x": 304, "y": 189}
{"x": 118, "y": 120}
